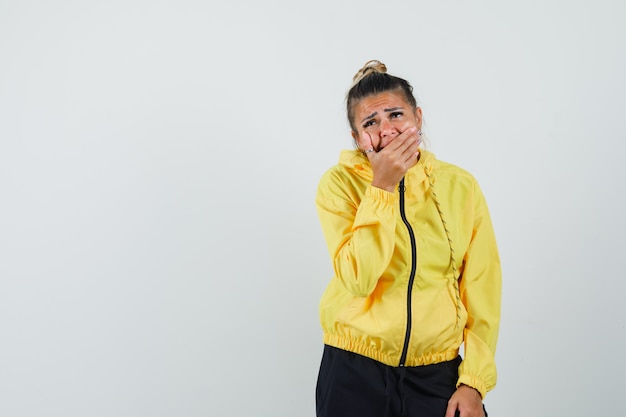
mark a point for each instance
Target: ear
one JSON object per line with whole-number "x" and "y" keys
{"x": 358, "y": 141}
{"x": 418, "y": 117}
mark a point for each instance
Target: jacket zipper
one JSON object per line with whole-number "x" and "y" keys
{"x": 407, "y": 335}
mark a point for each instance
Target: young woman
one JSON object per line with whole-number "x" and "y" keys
{"x": 417, "y": 271}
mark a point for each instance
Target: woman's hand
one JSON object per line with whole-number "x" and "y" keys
{"x": 468, "y": 401}
{"x": 394, "y": 160}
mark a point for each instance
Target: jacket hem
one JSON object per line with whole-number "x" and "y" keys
{"x": 372, "y": 353}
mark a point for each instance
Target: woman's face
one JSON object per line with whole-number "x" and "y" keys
{"x": 383, "y": 117}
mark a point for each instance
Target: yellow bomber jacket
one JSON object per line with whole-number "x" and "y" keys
{"x": 394, "y": 296}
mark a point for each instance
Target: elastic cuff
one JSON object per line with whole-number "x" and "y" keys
{"x": 378, "y": 194}
{"x": 473, "y": 382}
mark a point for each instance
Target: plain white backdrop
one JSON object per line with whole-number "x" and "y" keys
{"x": 160, "y": 253}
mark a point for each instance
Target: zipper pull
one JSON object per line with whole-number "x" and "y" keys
{"x": 401, "y": 187}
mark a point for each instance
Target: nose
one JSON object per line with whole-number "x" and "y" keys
{"x": 387, "y": 129}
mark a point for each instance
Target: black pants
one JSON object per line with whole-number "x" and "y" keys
{"x": 351, "y": 385}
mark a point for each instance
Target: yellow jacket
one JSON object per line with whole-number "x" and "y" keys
{"x": 395, "y": 297}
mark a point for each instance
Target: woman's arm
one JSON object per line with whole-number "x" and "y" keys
{"x": 480, "y": 289}
{"x": 360, "y": 235}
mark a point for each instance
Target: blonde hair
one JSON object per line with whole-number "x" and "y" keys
{"x": 370, "y": 67}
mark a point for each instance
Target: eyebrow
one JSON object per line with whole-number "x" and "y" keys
{"x": 385, "y": 110}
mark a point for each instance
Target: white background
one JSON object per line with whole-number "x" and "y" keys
{"x": 160, "y": 253}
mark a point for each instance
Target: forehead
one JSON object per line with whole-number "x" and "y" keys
{"x": 381, "y": 101}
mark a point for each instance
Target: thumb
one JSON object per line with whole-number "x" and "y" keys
{"x": 451, "y": 410}
{"x": 366, "y": 143}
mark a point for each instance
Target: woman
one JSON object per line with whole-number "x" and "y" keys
{"x": 417, "y": 271}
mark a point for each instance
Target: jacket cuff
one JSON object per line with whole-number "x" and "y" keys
{"x": 473, "y": 382}
{"x": 378, "y": 194}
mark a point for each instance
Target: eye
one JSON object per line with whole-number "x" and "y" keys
{"x": 395, "y": 114}
{"x": 368, "y": 123}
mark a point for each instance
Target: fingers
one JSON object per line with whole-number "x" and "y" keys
{"x": 406, "y": 145}
{"x": 404, "y": 140}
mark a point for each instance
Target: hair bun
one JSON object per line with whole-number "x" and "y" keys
{"x": 370, "y": 67}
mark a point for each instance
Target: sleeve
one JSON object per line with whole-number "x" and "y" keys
{"x": 360, "y": 235}
{"x": 480, "y": 290}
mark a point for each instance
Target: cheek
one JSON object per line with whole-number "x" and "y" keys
{"x": 367, "y": 139}
{"x": 405, "y": 124}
